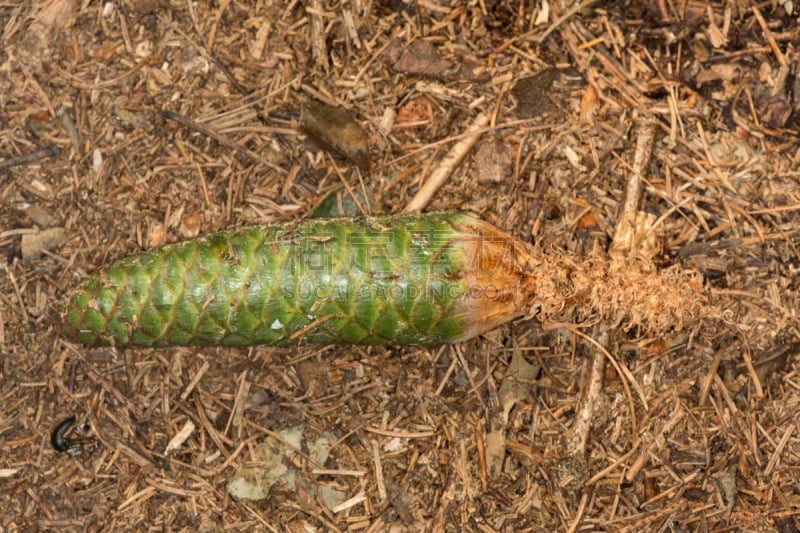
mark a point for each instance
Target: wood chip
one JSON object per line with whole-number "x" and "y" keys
{"x": 33, "y": 245}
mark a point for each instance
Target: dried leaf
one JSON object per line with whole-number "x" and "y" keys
{"x": 518, "y": 385}
{"x": 417, "y": 110}
{"x": 340, "y": 203}
{"x": 40, "y": 215}
{"x": 190, "y": 225}
{"x": 774, "y": 112}
{"x": 715, "y": 35}
{"x": 725, "y": 481}
{"x": 8, "y": 472}
{"x": 532, "y": 93}
{"x": 774, "y": 363}
{"x": 635, "y": 235}
{"x": 400, "y": 500}
{"x": 334, "y": 128}
{"x": 718, "y": 71}
{"x": 273, "y": 465}
{"x": 422, "y": 58}
{"x": 57, "y": 13}
{"x": 255, "y": 482}
{"x": 492, "y": 161}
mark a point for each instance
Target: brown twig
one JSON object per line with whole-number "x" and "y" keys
{"x": 625, "y": 236}
{"x": 578, "y": 437}
{"x": 43, "y": 153}
{"x": 660, "y": 438}
{"x": 447, "y": 165}
{"x": 192, "y": 125}
{"x": 80, "y": 84}
{"x": 318, "y": 49}
{"x": 773, "y": 44}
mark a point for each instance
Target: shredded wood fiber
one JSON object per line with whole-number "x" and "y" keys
{"x": 627, "y": 292}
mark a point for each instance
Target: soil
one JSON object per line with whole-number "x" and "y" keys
{"x": 661, "y": 131}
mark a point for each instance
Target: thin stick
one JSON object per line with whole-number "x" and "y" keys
{"x": 80, "y": 84}
{"x": 481, "y": 450}
{"x": 447, "y": 165}
{"x": 48, "y": 151}
{"x": 36, "y": 87}
{"x": 319, "y": 50}
{"x": 576, "y": 521}
{"x": 623, "y": 372}
{"x": 748, "y": 361}
{"x": 778, "y": 453}
{"x": 347, "y": 186}
{"x": 563, "y": 18}
{"x": 376, "y": 460}
{"x": 578, "y": 437}
{"x": 20, "y": 300}
{"x": 773, "y": 44}
{"x": 623, "y": 237}
{"x": 522, "y": 123}
{"x": 192, "y": 125}
{"x": 657, "y": 443}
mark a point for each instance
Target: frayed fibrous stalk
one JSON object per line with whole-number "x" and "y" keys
{"x": 625, "y": 292}
{"x": 410, "y": 279}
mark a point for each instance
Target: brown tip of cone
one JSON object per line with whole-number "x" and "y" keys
{"x": 498, "y": 286}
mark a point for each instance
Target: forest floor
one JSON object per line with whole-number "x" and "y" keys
{"x": 129, "y": 124}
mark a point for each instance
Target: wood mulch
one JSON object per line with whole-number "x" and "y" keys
{"x": 662, "y": 130}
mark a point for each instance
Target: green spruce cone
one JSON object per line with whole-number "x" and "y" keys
{"x": 412, "y": 279}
